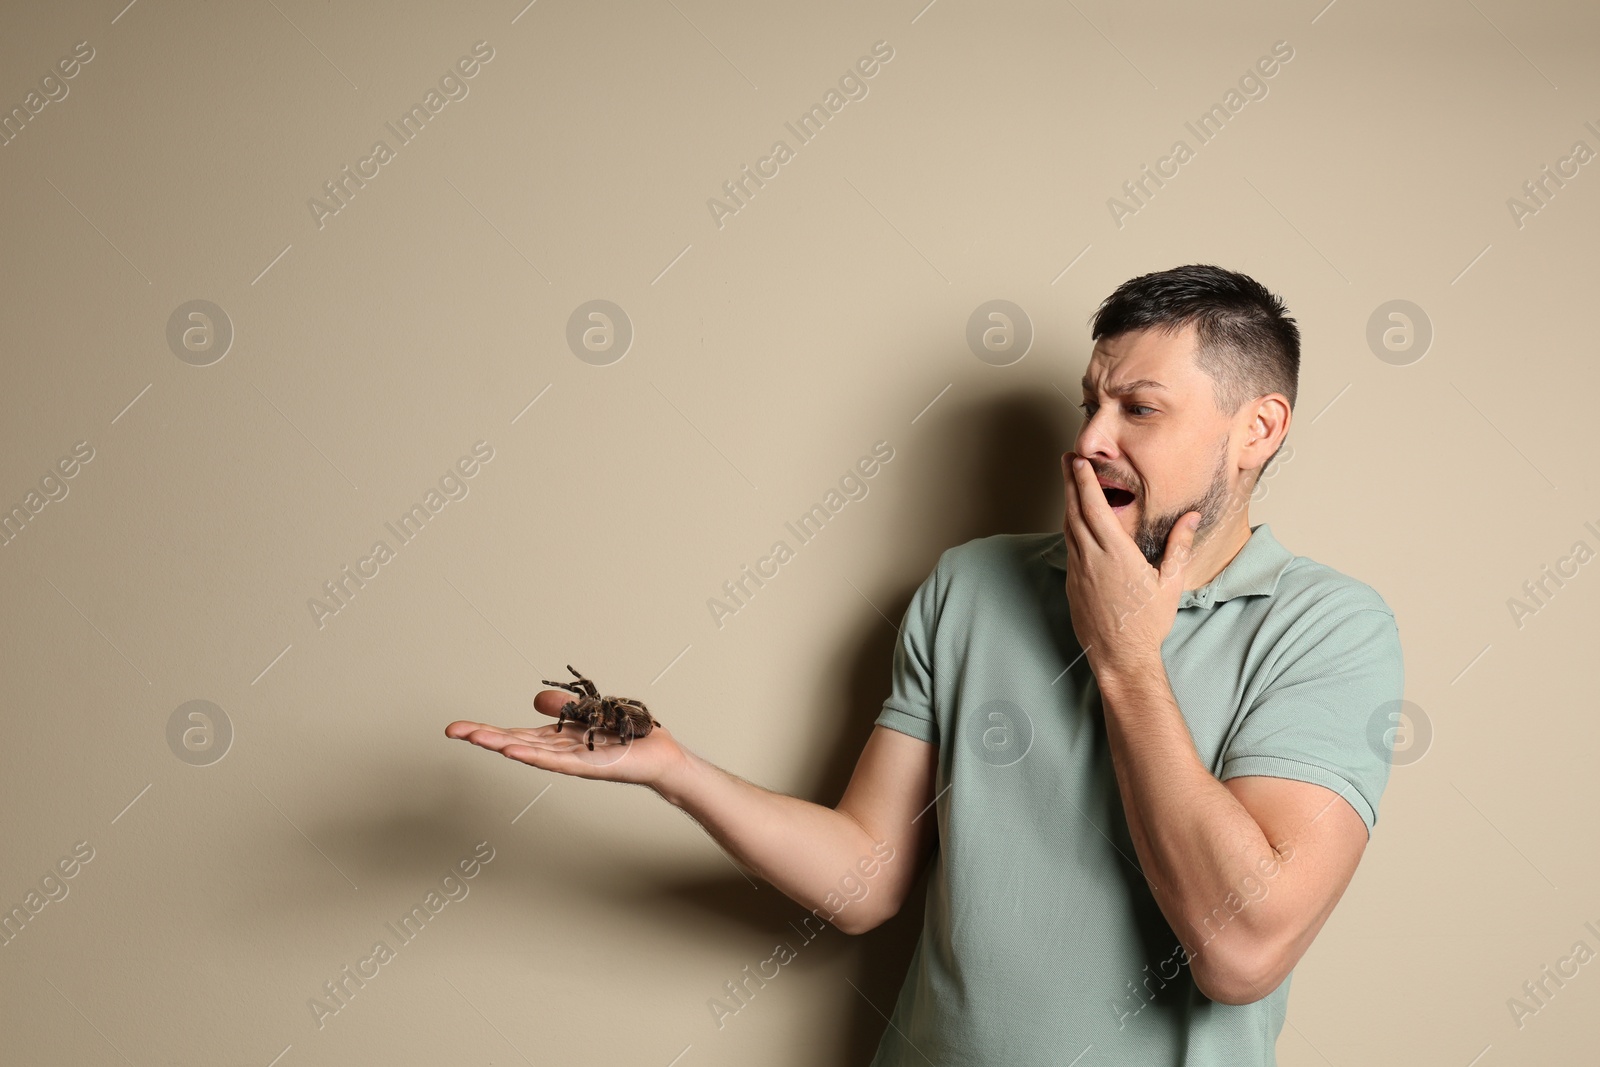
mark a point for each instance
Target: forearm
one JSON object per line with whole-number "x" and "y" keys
{"x": 803, "y": 849}
{"x": 1196, "y": 843}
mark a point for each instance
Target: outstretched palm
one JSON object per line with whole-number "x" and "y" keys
{"x": 641, "y": 761}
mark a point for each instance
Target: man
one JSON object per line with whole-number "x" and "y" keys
{"x": 1138, "y": 752}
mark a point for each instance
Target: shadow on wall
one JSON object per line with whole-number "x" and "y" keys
{"x": 986, "y": 468}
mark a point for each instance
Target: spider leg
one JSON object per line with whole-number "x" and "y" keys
{"x": 568, "y": 686}
{"x": 589, "y": 737}
{"x": 588, "y": 686}
{"x": 567, "y": 715}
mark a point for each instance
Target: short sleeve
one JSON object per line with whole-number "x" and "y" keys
{"x": 910, "y": 705}
{"x": 1323, "y": 719}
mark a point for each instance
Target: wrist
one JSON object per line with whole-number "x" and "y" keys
{"x": 1123, "y": 673}
{"x": 673, "y": 782}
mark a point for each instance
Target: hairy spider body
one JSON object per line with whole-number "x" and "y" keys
{"x": 619, "y": 715}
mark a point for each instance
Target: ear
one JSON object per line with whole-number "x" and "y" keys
{"x": 1266, "y": 424}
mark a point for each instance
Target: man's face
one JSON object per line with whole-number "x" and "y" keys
{"x": 1152, "y": 426}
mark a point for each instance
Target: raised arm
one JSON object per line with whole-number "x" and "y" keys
{"x": 865, "y": 852}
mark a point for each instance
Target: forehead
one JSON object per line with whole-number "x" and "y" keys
{"x": 1149, "y": 354}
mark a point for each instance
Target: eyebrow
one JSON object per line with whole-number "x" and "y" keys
{"x": 1127, "y": 387}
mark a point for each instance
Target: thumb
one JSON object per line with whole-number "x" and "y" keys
{"x": 551, "y": 701}
{"x": 1180, "y": 546}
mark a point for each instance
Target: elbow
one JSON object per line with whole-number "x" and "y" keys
{"x": 863, "y": 912}
{"x": 1239, "y": 978}
{"x": 856, "y": 924}
{"x": 855, "y": 920}
{"x": 1228, "y": 989}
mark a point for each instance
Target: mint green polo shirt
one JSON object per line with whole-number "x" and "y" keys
{"x": 1041, "y": 941}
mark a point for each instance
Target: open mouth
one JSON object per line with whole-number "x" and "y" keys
{"x": 1117, "y": 498}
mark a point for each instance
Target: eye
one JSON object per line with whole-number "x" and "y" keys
{"x": 1086, "y": 405}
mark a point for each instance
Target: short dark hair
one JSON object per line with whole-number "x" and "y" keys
{"x": 1245, "y": 340}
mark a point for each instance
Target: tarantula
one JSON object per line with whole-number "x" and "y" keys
{"x": 619, "y": 715}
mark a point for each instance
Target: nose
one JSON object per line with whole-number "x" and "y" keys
{"x": 1093, "y": 442}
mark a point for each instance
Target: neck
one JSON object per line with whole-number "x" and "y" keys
{"x": 1213, "y": 553}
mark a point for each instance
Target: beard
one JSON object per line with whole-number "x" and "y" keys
{"x": 1152, "y": 532}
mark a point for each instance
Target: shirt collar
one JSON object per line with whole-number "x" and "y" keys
{"x": 1253, "y": 571}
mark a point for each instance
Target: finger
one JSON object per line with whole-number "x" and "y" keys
{"x": 1078, "y": 536}
{"x": 497, "y": 738}
{"x": 464, "y": 729}
{"x": 532, "y": 734}
{"x": 551, "y": 701}
{"x": 1094, "y": 507}
{"x": 1071, "y": 519}
{"x": 492, "y": 737}
{"x": 1180, "y": 546}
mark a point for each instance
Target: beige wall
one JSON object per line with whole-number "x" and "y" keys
{"x": 373, "y": 350}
